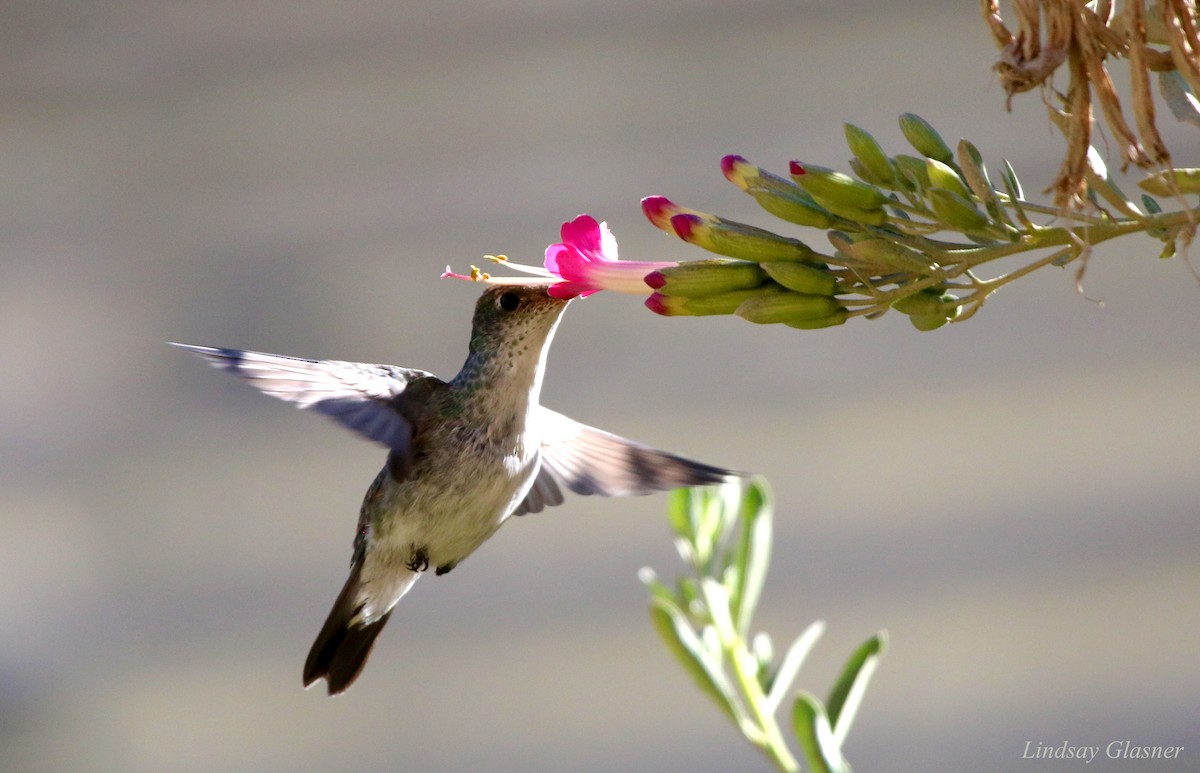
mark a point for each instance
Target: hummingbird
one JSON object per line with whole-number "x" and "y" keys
{"x": 462, "y": 456}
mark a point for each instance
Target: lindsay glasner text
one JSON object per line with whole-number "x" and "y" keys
{"x": 1114, "y": 750}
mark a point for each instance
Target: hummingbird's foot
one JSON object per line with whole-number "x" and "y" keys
{"x": 419, "y": 561}
{"x": 444, "y": 568}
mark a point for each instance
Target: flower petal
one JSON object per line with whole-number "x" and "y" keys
{"x": 584, "y": 233}
{"x": 553, "y": 258}
{"x": 565, "y": 291}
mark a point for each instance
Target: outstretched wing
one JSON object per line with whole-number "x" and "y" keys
{"x": 587, "y": 461}
{"x": 369, "y": 399}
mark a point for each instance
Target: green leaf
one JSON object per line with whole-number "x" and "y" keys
{"x": 847, "y": 692}
{"x": 678, "y": 507}
{"x": 1015, "y": 195}
{"x": 716, "y": 596}
{"x": 1011, "y": 182}
{"x": 752, "y": 553}
{"x": 693, "y": 604}
{"x": 672, "y": 624}
{"x": 1171, "y": 182}
{"x": 709, "y": 520}
{"x": 1099, "y": 182}
{"x": 812, "y": 729}
{"x": 1179, "y": 97}
{"x": 975, "y": 173}
{"x": 656, "y": 586}
{"x": 790, "y": 665}
{"x": 764, "y": 656}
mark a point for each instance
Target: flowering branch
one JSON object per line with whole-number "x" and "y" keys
{"x": 908, "y": 232}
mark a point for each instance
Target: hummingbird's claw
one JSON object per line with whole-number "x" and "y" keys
{"x": 419, "y": 561}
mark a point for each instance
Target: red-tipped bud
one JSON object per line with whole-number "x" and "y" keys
{"x": 659, "y": 210}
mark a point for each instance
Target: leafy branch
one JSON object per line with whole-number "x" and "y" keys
{"x": 724, "y": 536}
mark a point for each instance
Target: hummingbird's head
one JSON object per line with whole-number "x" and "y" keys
{"x": 515, "y": 321}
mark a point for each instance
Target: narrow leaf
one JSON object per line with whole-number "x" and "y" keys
{"x": 687, "y": 648}
{"x": 716, "y": 596}
{"x": 812, "y": 729}
{"x": 708, "y": 517}
{"x": 764, "y": 655}
{"x": 1171, "y": 182}
{"x": 790, "y": 665}
{"x": 677, "y": 512}
{"x": 1179, "y": 97}
{"x": 753, "y": 552}
{"x": 848, "y": 691}
{"x": 656, "y": 586}
{"x": 1099, "y": 182}
{"x": 975, "y": 173}
{"x": 1015, "y": 195}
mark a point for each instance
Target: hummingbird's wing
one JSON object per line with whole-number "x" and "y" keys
{"x": 369, "y": 399}
{"x": 591, "y": 461}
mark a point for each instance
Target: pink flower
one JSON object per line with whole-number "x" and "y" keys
{"x": 586, "y": 260}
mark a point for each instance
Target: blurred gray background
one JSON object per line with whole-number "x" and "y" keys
{"x": 1013, "y": 499}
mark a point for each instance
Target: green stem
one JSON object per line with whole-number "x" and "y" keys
{"x": 1059, "y": 236}
{"x": 756, "y": 701}
{"x": 767, "y": 735}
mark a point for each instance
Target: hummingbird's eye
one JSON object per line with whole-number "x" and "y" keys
{"x": 510, "y": 301}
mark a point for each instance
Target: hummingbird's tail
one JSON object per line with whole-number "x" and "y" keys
{"x": 341, "y": 649}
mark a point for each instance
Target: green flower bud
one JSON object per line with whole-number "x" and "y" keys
{"x": 955, "y": 211}
{"x": 866, "y": 217}
{"x": 782, "y": 198}
{"x": 777, "y": 305}
{"x": 737, "y": 240}
{"x": 827, "y": 185}
{"x": 794, "y": 210}
{"x": 801, "y": 278}
{"x": 863, "y": 173}
{"x": 929, "y": 309}
{"x": 659, "y": 210}
{"x": 839, "y": 240}
{"x": 708, "y": 305}
{"x": 706, "y": 277}
{"x": 925, "y": 302}
{"x": 924, "y": 138}
{"x": 927, "y": 322}
{"x": 839, "y": 317}
{"x": 874, "y": 166}
{"x": 887, "y": 256}
{"x": 942, "y": 176}
{"x": 1171, "y": 182}
{"x": 913, "y": 171}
